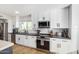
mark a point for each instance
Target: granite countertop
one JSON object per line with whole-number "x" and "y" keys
{"x": 60, "y": 37}
{"x": 5, "y": 44}
{"x": 33, "y": 34}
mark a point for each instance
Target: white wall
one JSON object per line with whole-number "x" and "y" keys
{"x": 10, "y": 21}
{"x": 75, "y": 26}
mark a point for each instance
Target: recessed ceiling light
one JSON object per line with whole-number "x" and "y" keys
{"x": 17, "y": 12}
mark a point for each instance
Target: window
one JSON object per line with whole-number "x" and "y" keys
{"x": 25, "y": 26}
{"x": 29, "y": 25}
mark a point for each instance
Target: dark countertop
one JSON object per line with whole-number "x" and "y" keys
{"x": 32, "y": 34}
{"x": 60, "y": 37}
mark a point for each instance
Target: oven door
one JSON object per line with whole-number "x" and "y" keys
{"x": 43, "y": 44}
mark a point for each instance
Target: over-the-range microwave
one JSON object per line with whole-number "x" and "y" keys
{"x": 44, "y": 24}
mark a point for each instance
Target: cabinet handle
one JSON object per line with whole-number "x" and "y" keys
{"x": 58, "y": 45}
{"x": 18, "y": 38}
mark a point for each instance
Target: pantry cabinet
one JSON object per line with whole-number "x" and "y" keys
{"x": 26, "y": 40}
{"x": 60, "y": 45}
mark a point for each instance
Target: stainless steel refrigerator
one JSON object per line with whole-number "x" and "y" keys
{"x": 3, "y": 29}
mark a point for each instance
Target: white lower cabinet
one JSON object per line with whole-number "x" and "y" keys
{"x": 59, "y": 45}
{"x": 32, "y": 41}
{"x": 19, "y": 39}
{"x": 25, "y": 40}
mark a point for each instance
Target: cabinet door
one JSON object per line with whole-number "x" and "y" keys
{"x": 59, "y": 18}
{"x": 63, "y": 18}
{"x": 53, "y": 45}
{"x": 35, "y": 18}
{"x": 44, "y": 16}
{"x": 19, "y": 39}
{"x": 26, "y": 41}
{"x": 65, "y": 46}
{"x": 32, "y": 41}
{"x": 54, "y": 18}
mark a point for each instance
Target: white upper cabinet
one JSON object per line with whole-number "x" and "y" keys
{"x": 44, "y": 16}
{"x": 34, "y": 18}
{"x": 59, "y": 18}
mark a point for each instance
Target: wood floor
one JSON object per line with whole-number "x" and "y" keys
{"x": 18, "y": 49}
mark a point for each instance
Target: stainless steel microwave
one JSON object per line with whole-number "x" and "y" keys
{"x": 44, "y": 24}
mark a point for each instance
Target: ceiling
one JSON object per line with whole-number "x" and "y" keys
{"x": 26, "y": 9}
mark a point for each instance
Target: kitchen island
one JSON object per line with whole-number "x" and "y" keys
{"x": 5, "y": 47}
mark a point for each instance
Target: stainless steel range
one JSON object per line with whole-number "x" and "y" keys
{"x": 43, "y": 42}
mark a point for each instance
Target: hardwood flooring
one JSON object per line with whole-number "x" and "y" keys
{"x": 18, "y": 49}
